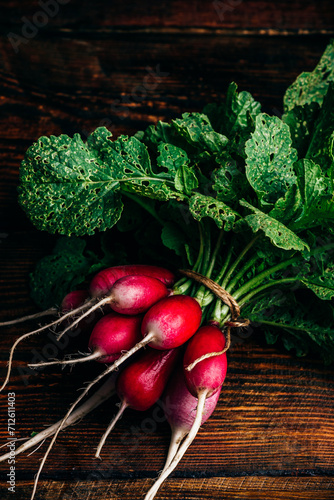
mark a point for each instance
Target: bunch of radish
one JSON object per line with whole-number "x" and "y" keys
{"x": 138, "y": 308}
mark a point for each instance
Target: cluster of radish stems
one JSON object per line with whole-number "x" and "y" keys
{"x": 215, "y": 310}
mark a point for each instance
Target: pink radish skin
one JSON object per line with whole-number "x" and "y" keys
{"x": 172, "y": 321}
{"x": 113, "y": 334}
{"x": 180, "y": 405}
{"x": 180, "y": 410}
{"x": 104, "y": 280}
{"x": 136, "y": 294}
{"x": 73, "y": 300}
{"x": 204, "y": 383}
{"x": 129, "y": 295}
{"x": 142, "y": 383}
{"x": 211, "y": 372}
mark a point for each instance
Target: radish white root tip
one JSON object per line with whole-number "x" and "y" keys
{"x": 110, "y": 427}
{"x": 182, "y": 449}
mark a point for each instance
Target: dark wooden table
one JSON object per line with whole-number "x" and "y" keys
{"x": 71, "y": 66}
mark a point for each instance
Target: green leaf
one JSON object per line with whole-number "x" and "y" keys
{"x": 303, "y": 328}
{"x": 205, "y": 206}
{"x": 320, "y": 148}
{"x": 312, "y": 87}
{"x": 312, "y": 188}
{"x": 155, "y": 134}
{"x": 289, "y": 208}
{"x": 300, "y": 120}
{"x": 185, "y": 180}
{"x": 321, "y": 284}
{"x": 71, "y": 187}
{"x": 66, "y": 188}
{"x": 229, "y": 181}
{"x": 236, "y": 115}
{"x": 61, "y": 272}
{"x": 174, "y": 238}
{"x": 128, "y": 161}
{"x": 171, "y": 158}
{"x": 197, "y": 130}
{"x": 278, "y": 233}
{"x": 270, "y": 159}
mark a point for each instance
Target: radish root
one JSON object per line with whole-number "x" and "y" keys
{"x": 47, "y": 312}
{"x": 106, "y": 391}
{"x": 110, "y": 428}
{"x": 92, "y": 309}
{"x": 34, "y": 332}
{"x": 88, "y": 357}
{"x": 182, "y": 448}
{"x": 110, "y": 369}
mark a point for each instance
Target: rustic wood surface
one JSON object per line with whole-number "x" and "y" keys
{"x": 126, "y": 65}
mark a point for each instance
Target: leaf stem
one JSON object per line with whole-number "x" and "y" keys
{"x": 270, "y": 284}
{"x": 237, "y": 260}
{"x": 215, "y": 253}
{"x": 278, "y": 267}
{"x": 279, "y": 325}
{"x": 226, "y": 263}
{"x": 147, "y": 206}
{"x": 240, "y": 274}
{"x": 184, "y": 283}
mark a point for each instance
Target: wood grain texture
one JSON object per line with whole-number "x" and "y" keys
{"x": 126, "y": 65}
{"x": 231, "y": 14}
{"x": 249, "y": 488}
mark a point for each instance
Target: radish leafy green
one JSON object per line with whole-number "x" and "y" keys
{"x": 240, "y": 196}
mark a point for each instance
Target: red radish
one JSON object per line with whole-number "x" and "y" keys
{"x": 172, "y": 321}
{"x": 104, "y": 280}
{"x": 129, "y": 295}
{"x": 142, "y": 383}
{"x": 73, "y": 300}
{"x": 180, "y": 410}
{"x": 111, "y": 335}
{"x": 204, "y": 383}
{"x": 210, "y": 372}
{"x": 100, "y": 286}
{"x": 178, "y": 316}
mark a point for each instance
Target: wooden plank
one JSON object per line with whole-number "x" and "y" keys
{"x": 26, "y": 17}
{"x": 246, "y": 488}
